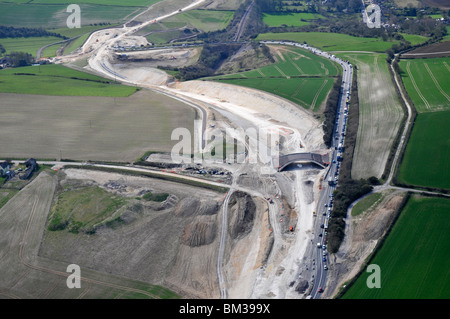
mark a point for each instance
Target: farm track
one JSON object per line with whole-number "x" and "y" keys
{"x": 446, "y": 65}
{"x": 313, "y": 104}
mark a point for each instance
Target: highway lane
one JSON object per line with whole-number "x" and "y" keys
{"x": 325, "y": 198}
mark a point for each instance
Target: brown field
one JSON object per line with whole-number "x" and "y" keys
{"x": 90, "y": 128}
{"x": 442, "y": 4}
{"x": 171, "y": 244}
{"x": 435, "y": 50}
{"x": 380, "y": 115}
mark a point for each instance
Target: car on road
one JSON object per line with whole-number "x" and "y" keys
{"x": 320, "y": 290}
{"x": 324, "y": 259}
{"x": 325, "y": 267}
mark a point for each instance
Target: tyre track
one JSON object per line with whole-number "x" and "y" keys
{"x": 408, "y": 70}
{"x": 22, "y": 259}
{"x": 436, "y": 82}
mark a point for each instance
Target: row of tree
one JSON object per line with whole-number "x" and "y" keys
{"x": 330, "y": 111}
{"x": 18, "y": 59}
{"x": 12, "y": 32}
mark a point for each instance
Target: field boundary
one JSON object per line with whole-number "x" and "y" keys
{"x": 389, "y": 162}
{"x": 156, "y": 176}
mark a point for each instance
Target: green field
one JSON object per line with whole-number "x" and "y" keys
{"x": 136, "y": 3}
{"x": 413, "y": 259}
{"x": 298, "y": 76}
{"x": 28, "y": 45}
{"x": 55, "y": 15}
{"x": 205, "y": 20}
{"x": 165, "y": 37}
{"x": 426, "y": 81}
{"x": 310, "y": 93}
{"x": 426, "y": 159}
{"x": 366, "y": 203}
{"x": 70, "y": 33}
{"x": 289, "y": 19}
{"x": 76, "y": 43}
{"x": 331, "y": 41}
{"x": 58, "y": 80}
{"x": 83, "y": 208}
{"x": 447, "y": 37}
{"x": 414, "y": 38}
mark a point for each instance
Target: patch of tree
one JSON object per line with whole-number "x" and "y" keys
{"x": 346, "y": 193}
{"x": 427, "y": 27}
{"x": 352, "y": 6}
{"x": 330, "y": 111}
{"x": 270, "y": 5}
{"x": 18, "y": 59}
{"x": 2, "y": 49}
{"x": 211, "y": 57}
{"x": 253, "y": 27}
{"x": 12, "y": 32}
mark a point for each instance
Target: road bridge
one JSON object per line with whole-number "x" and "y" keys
{"x": 319, "y": 159}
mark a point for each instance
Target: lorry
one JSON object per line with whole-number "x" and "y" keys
{"x": 330, "y": 181}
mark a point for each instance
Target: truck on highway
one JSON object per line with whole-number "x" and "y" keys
{"x": 330, "y": 181}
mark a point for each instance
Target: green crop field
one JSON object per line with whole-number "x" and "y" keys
{"x": 414, "y": 38}
{"x": 426, "y": 81}
{"x": 289, "y": 19}
{"x": 205, "y": 20}
{"x": 76, "y": 43}
{"x": 58, "y": 80}
{"x": 28, "y": 45}
{"x": 136, "y": 3}
{"x": 70, "y": 33}
{"x": 308, "y": 92}
{"x": 83, "y": 208}
{"x": 413, "y": 259}
{"x": 366, "y": 203}
{"x": 426, "y": 159}
{"x": 55, "y": 15}
{"x": 331, "y": 41}
{"x": 298, "y": 76}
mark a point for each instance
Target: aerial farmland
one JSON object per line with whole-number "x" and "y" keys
{"x": 226, "y": 150}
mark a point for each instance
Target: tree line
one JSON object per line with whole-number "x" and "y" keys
{"x": 12, "y": 32}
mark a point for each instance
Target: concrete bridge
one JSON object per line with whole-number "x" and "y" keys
{"x": 319, "y": 159}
